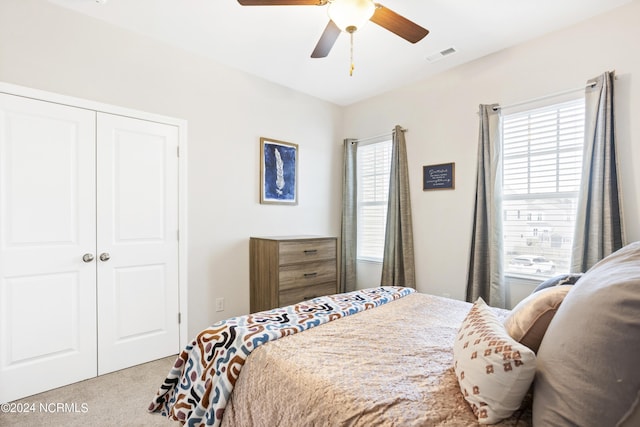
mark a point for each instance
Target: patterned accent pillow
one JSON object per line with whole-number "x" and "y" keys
{"x": 494, "y": 370}
{"x": 528, "y": 321}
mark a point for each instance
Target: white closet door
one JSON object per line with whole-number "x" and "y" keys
{"x": 138, "y": 233}
{"x": 47, "y": 224}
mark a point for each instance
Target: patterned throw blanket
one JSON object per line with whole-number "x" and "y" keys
{"x": 198, "y": 386}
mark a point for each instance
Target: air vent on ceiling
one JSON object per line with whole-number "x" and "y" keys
{"x": 439, "y": 55}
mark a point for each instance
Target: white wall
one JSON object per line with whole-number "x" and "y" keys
{"x": 50, "y": 48}
{"x": 441, "y": 115}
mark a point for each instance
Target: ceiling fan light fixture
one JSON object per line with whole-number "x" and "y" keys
{"x": 350, "y": 15}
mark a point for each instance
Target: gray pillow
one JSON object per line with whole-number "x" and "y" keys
{"x": 587, "y": 366}
{"x": 632, "y": 418}
{"x": 562, "y": 279}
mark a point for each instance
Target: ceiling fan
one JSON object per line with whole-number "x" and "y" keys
{"x": 348, "y": 16}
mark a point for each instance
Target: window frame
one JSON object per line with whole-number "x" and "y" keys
{"x": 364, "y": 252}
{"x": 561, "y": 194}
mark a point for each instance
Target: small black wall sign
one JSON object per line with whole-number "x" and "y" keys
{"x": 439, "y": 177}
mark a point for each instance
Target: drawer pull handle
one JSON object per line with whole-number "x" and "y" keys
{"x": 310, "y": 251}
{"x": 314, "y": 274}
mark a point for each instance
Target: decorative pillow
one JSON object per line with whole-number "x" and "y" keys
{"x": 494, "y": 371}
{"x": 587, "y": 372}
{"x": 562, "y": 279}
{"x": 528, "y": 321}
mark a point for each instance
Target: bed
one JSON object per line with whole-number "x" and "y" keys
{"x": 388, "y": 364}
{"x": 379, "y": 367}
{"x": 390, "y": 356}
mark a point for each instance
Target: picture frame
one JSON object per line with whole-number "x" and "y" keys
{"x": 278, "y": 172}
{"x": 439, "y": 177}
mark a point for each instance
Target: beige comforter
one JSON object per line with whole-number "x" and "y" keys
{"x": 390, "y": 366}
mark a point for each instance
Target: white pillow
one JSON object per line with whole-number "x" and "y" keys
{"x": 494, "y": 370}
{"x": 528, "y": 321}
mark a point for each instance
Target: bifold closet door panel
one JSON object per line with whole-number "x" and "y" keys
{"x": 47, "y": 226}
{"x": 137, "y": 250}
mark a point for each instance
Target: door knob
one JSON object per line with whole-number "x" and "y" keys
{"x": 104, "y": 256}
{"x": 87, "y": 257}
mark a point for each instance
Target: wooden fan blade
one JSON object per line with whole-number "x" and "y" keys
{"x": 282, "y": 2}
{"x": 397, "y": 24}
{"x": 327, "y": 40}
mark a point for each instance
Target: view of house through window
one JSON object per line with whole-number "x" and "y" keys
{"x": 374, "y": 167}
{"x": 542, "y": 152}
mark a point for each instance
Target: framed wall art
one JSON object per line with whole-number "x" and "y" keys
{"x": 278, "y": 172}
{"x": 439, "y": 177}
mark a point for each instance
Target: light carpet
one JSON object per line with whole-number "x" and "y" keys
{"x": 117, "y": 399}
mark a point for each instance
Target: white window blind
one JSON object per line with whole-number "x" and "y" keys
{"x": 542, "y": 152}
{"x": 374, "y": 167}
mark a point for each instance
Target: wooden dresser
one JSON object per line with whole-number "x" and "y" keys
{"x": 290, "y": 269}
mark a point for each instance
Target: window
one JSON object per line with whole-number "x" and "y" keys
{"x": 374, "y": 168}
{"x": 542, "y": 152}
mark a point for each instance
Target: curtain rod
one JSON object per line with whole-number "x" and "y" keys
{"x": 540, "y": 98}
{"x": 379, "y": 136}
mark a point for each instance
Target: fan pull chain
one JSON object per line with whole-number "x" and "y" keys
{"x": 351, "y": 53}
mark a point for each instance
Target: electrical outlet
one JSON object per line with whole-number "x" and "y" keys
{"x": 219, "y": 304}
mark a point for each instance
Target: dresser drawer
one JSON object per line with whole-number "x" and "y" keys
{"x": 285, "y": 270}
{"x": 303, "y": 251}
{"x": 296, "y": 295}
{"x": 309, "y": 273}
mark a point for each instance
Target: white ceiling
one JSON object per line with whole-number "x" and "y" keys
{"x": 275, "y": 42}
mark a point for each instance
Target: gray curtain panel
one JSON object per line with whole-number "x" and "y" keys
{"x": 349, "y": 233}
{"x": 398, "y": 267}
{"x": 599, "y": 228}
{"x": 485, "y": 278}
